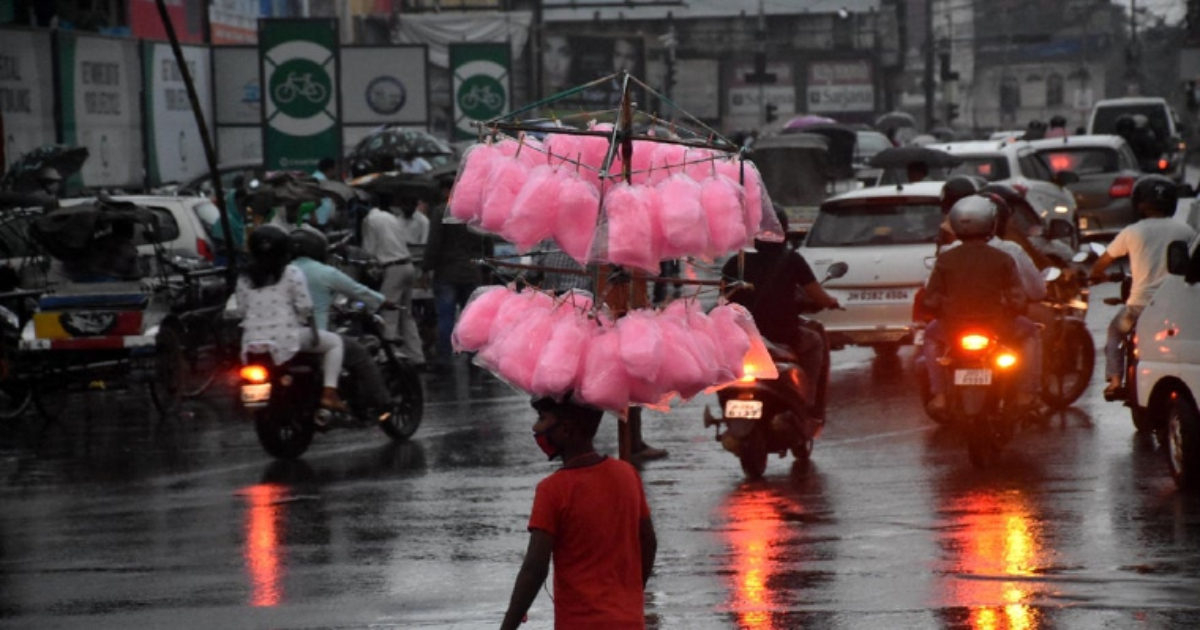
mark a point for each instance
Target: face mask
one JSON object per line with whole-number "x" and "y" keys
{"x": 543, "y": 441}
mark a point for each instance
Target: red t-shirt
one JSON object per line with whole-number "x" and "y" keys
{"x": 594, "y": 513}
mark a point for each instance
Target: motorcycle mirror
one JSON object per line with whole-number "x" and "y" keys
{"x": 1081, "y": 257}
{"x": 1050, "y": 274}
{"x": 836, "y": 270}
{"x": 1097, "y": 248}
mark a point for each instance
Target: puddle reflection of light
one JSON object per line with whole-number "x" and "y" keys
{"x": 1000, "y": 539}
{"x": 262, "y": 544}
{"x": 754, "y": 530}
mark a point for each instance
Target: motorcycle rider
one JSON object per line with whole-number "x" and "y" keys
{"x": 1145, "y": 242}
{"x": 976, "y": 282}
{"x": 781, "y": 280}
{"x": 310, "y": 248}
{"x": 275, "y": 306}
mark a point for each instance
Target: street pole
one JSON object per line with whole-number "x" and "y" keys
{"x": 929, "y": 60}
{"x": 209, "y": 153}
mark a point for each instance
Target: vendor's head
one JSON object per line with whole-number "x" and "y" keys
{"x": 564, "y": 425}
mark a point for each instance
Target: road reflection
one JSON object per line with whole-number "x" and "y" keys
{"x": 262, "y": 552}
{"x": 754, "y": 530}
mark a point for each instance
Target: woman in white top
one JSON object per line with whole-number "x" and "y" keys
{"x": 276, "y": 309}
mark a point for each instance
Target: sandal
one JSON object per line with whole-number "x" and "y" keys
{"x": 330, "y": 400}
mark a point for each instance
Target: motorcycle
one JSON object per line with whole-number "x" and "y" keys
{"x": 1068, "y": 350}
{"x": 771, "y": 415}
{"x": 284, "y": 400}
{"x": 1127, "y": 394}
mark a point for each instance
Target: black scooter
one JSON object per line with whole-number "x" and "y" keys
{"x": 763, "y": 416}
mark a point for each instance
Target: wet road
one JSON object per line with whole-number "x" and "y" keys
{"x": 118, "y": 521}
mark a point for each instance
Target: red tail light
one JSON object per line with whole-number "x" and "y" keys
{"x": 256, "y": 374}
{"x": 1163, "y": 164}
{"x": 204, "y": 250}
{"x": 974, "y": 342}
{"x": 1121, "y": 187}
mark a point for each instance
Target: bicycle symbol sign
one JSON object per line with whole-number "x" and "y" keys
{"x": 481, "y": 97}
{"x": 300, "y": 88}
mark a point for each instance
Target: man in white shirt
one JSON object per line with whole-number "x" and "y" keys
{"x": 1145, "y": 242}
{"x": 413, "y": 164}
{"x": 384, "y": 238}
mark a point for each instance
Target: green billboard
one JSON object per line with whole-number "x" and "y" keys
{"x": 481, "y": 84}
{"x": 301, "y": 117}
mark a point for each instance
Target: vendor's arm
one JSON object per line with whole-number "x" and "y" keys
{"x": 530, "y": 578}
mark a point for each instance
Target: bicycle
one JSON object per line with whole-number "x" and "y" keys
{"x": 481, "y": 94}
{"x": 298, "y": 84}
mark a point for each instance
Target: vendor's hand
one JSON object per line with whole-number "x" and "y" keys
{"x": 833, "y": 304}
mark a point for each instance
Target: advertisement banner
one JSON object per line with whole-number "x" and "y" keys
{"x": 26, "y": 91}
{"x": 480, "y": 83}
{"x": 572, "y": 60}
{"x": 235, "y": 85}
{"x": 239, "y": 144}
{"x": 385, "y": 84}
{"x": 186, "y": 17}
{"x": 233, "y": 21}
{"x": 301, "y": 123}
{"x": 99, "y": 84}
{"x": 840, "y": 86}
{"x": 175, "y": 152}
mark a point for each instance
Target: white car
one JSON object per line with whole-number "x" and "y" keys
{"x": 1168, "y": 368}
{"x": 887, "y": 235}
{"x": 185, "y": 223}
{"x": 1019, "y": 165}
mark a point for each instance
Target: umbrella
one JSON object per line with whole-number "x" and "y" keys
{"x": 943, "y": 134}
{"x": 378, "y": 151}
{"x": 66, "y": 160}
{"x": 800, "y": 122}
{"x": 894, "y": 120}
{"x": 400, "y": 186}
{"x": 900, "y": 157}
{"x": 342, "y": 193}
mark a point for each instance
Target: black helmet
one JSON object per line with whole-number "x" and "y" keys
{"x": 270, "y": 246}
{"x": 974, "y": 217}
{"x": 956, "y": 188}
{"x": 1006, "y": 198}
{"x": 48, "y": 174}
{"x": 1157, "y": 192}
{"x": 309, "y": 243}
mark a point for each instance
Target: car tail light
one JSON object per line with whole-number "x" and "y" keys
{"x": 254, "y": 374}
{"x": 974, "y": 342}
{"x": 1006, "y": 360}
{"x": 1121, "y": 187}
{"x": 204, "y": 250}
{"x": 1163, "y": 164}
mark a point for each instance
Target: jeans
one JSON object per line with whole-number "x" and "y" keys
{"x": 1121, "y": 324}
{"x": 448, "y": 299}
{"x": 365, "y": 373}
{"x": 397, "y": 287}
{"x": 1022, "y": 329}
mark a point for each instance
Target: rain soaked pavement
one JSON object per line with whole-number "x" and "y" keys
{"x": 118, "y": 521}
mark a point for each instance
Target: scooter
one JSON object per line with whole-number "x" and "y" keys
{"x": 284, "y": 400}
{"x": 1127, "y": 394}
{"x": 771, "y": 415}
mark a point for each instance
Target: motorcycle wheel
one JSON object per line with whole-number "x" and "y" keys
{"x": 981, "y": 444}
{"x": 1069, "y": 366}
{"x": 201, "y": 357}
{"x": 166, "y": 390}
{"x": 408, "y": 404}
{"x": 753, "y": 454}
{"x": 282, "y": 438}
{"x": 1183, "y": 442}
{"x": 14, "y": 400}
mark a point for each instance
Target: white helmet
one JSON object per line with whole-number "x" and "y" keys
{"x": 973, "y": 217}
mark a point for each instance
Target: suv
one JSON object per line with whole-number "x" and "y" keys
{"x": 886, "y": 234}
{"x": 1168, "y": 132}
{"x": 1168, "y": 368}
{"x": 1019, "y": 165}
{"x": 1107, "y": 170}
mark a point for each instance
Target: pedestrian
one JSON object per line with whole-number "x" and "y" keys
{"x": 326, "y": 169}
{"x": 591, "y": 519}
{"x": 384, "y": 238}
{"x": 1058, "y": 127}
{"x": 450, "y": 255}
{"x": 413, "y": 164}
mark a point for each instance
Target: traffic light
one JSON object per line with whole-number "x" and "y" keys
{"x": 771, "y": 115}
{"x": 951, "y": 112}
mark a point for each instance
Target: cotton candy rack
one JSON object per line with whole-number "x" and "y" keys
{"x": 549, "y": 346}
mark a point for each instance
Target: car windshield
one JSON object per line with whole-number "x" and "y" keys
{"x": 991, "y": 168}
{"x": 1083, "y": 161}
{"x": 1105, "y": 121}
{"x": 876, "y": 222}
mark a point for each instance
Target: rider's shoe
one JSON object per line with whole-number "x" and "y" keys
{"x": 330, "y": 400}
{"x": 1114, "y": 392}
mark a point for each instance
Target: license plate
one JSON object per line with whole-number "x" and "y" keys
{"x": 256, "y": 393}
{"x": 919, "y": 337}
{"x": 743, "y": 409}
{"x": 972, "y": 377}
{"x": 880, "y": 295}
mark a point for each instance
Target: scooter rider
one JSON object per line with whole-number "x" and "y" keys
{"x": 976, "y": 282}
{"x": 310, "y": 248}
{"x": 1145, "y": 242}
{"x": 780, "y": 276}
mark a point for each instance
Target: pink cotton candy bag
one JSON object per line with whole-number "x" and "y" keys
{"x": 721, "y": 199}
{"x": 604, "y": 382}
{"x": 641, "y": 344}
{"x": 681, "y": 216}
{"x": 504, "y": 183}
{"x": 475, "y": 323}
{"x": 535, "y": 210}
{"x": 575, "y": 223}
{"x": 630, "y": 230}
{"x": 466, "y": 198}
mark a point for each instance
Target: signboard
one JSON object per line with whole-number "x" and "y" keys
{"x": 26, "y": 91}
{"x": 299, "y": 61}
{"x": 385, "y": 84}
{"x": 840, "y": 86}
{"x": 572, "y": 60}
{"x": 236, "y": 85}
{"x": 175, "y": 152}
{"x": 99, "y": 85}
{"x": 186, "y": 17}
{"x": 480, "y": 84}
{"x": 697, "y": 89}
{"x": 239, "y": 144}
{"x": 233, "y": 21}
{"x": 743, "y": 109}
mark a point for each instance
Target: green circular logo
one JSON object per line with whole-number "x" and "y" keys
{"x": 481, "y": 97}
{"x": 300, "y": 88}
